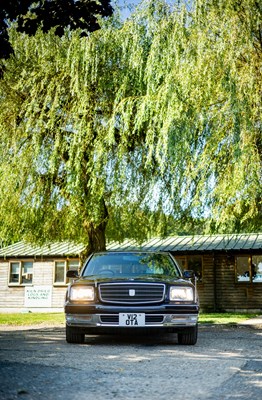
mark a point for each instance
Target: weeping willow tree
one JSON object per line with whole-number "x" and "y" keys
{"x": 226, "y": 92}
{"x": 202, "y": 109}
{"x": 113, "y": 134}
{"x": 68, "y": 163}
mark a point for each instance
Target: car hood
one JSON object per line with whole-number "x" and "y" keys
{"x": 94, "y": 279}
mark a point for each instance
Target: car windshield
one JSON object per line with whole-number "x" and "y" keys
{"x": 131, "y": 264}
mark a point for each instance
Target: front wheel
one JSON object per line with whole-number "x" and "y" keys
{"x": 188, "y": 336}
{"x": 74, "y": 335}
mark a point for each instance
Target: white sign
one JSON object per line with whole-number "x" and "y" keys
{"x": 38, "y": 296}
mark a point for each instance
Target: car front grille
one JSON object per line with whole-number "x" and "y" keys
{"x": 131, "y": 293}
{"x": 113, "y": 319}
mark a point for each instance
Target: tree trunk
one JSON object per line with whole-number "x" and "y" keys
{"x": 96, "y": 235}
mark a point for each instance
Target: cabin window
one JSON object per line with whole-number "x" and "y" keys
{"x": 21, "y": 273}
{"x": 61, "y": 267}
{"x": 249, "y": 268}
{"x": 60, "y": 271}
{"x": 194, "y": 263}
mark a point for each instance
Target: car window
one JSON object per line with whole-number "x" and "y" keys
{"x": 131, "y": 264}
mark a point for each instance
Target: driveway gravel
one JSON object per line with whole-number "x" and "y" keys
{"x": 37, "y": 363}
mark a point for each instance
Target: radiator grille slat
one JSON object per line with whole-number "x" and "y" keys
{"x": 128, "y": 293}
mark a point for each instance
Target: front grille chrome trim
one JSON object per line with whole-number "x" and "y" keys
{"x": 122, "y": 293}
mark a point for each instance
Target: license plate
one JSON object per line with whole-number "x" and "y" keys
{"x": 129, "y": 319}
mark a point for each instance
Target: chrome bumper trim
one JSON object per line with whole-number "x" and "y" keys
{"x": 94, "y": 320}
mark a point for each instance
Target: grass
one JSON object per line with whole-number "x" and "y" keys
{"x": 224, "y": 318}
{"x": 23, "y": 319}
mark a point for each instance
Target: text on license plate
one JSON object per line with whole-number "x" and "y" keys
{"x": 130, "y": 319}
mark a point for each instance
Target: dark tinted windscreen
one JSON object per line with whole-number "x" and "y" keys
{"x": 131, "y": 264}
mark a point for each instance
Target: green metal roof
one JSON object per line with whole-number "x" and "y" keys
{"x": 22, "y": 249}
{"x": 196, "y": 243}
{"x": 199, "y": 243}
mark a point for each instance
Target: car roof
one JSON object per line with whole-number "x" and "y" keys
{"x": 130, "y": 251}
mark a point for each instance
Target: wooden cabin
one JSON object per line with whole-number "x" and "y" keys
{"x": 228, "y": 268}
{"x": 33, "y": 278}
{"x": 228, "y": 271}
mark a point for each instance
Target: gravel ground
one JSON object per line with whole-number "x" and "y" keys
{"x": 37, "y": 363}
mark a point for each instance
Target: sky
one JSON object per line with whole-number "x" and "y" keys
{"x": 124, "y": 5}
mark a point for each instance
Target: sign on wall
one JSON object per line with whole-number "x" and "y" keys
{"x": 38, "y": 296}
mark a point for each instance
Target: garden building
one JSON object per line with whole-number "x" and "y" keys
{"x": 228, "y": 270}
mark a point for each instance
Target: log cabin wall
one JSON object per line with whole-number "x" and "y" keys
{"x": 219, "y": 290}
{"x": 205, "y": 285}
{"x": 12, "y": 295}
{"x": 232, "y": 295}
{"x": 206, "y": 289}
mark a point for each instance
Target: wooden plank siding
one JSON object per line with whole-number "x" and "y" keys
{"x": 206, "y": 288}
{"x": 43, "y": 272}
{"x": 232, "y": 295}
{"x": 13, "y": 297}
{"x": 225, "y": 282}
{"x": 58, "y": 296}
{"x": 44, "y": 275}
{"x": 219, "y": 291}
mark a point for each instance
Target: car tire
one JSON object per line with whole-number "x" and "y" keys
{"x": 74, "y": 335}
{"x": 188, "y": 336}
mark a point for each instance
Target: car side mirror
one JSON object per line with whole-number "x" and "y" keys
{"x": 72, "y": 273}
{"x": 189, "y": 274}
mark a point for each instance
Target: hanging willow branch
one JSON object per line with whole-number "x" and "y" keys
{"x": 157, "y": 115}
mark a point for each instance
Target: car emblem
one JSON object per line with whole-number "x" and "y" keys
{"x": 132, "y": 292}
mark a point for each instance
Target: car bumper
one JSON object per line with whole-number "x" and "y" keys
{"x": 108, "y": 317}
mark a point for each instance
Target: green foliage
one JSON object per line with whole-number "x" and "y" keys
{"x": 31, "y": 15}
{"x": 140, "y": 124}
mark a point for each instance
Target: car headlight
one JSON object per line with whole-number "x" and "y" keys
{"x": 82, "y": 293}
{"x": 181, "y": 293}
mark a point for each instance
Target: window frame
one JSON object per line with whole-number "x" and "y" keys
{"x": 21, "y": 264}
{"x": 250, "y": 281}
{"x": 66, "y": 262}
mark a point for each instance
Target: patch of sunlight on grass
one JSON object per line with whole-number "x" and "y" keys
{"x": 30, "y": 318}
{"x": 224, "y": 318}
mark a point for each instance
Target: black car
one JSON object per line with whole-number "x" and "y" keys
{"x": 120, "y": 291}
